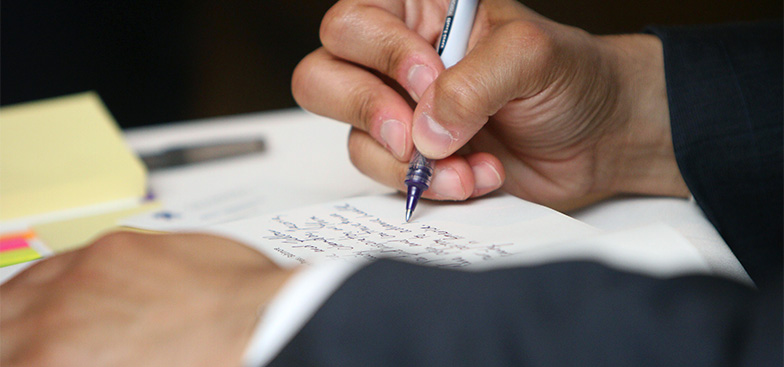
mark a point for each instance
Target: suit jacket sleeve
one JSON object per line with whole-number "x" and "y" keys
{"x": 725, "y": 90}
{"x": 724, "y": 85}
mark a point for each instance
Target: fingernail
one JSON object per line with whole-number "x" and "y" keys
{"x": 486, "y": 177}
{"x": 434, "y": 139}
{"x": 393, "y": 134}
{"x": 446, "y": 184}
{"x": 419, "y": 78}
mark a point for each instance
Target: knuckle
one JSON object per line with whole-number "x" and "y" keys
{"x": 360, "y": 151}
{"x": 458, "y": 97}
{"x": 366, "y": 156}
{"x": 336, "y": 23}
{"x": 115, "y": 239}
{"x": 355, "y": 149}
{"x": 108, "y": 246}
{"x": 362, "y": 106}
{"x": 537, "y": 39}
{"x": 381, "y": 48}
{"x": 301, "y": 81}
{"x": 526, "y": 32}
{"x": 394, "y": 51}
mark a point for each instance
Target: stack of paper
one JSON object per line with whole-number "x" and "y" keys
{"x": 64, "y": 159}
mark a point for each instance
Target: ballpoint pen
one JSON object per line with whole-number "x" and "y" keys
{"x": 451, "y": 47}
{"x": 197, "y": 153}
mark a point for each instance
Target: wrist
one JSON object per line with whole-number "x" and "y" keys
{"x": 252, "y": 293}
{"x": 641, "y": 155}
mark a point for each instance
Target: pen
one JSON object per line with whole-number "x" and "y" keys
{"x": 451, "y": 47}
{"x": 197, "y": 153}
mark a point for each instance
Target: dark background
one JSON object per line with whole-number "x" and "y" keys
{"x": 164, "y": 61}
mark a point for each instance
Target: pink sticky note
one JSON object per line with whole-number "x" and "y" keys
{"x": 13, "y": 243}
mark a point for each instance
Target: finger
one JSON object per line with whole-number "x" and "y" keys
{"x": 328, "y": 86}
{"x": 489, "y": 174}
{"x": 453, "y": 177}
{"x": 514, "y": 61}
{"x": 375, "y": 34}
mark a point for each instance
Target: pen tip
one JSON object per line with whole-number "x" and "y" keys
{"x": 414, "y": 192}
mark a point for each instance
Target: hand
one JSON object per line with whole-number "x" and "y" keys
{"x": 556, "y": 115}
{"x": 138, "y": 300}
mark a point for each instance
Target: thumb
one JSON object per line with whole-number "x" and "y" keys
{"x": 511, "y": 62}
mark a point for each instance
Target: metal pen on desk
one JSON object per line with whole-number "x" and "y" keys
{"x": 451, "y": 47}
{"x": 202, "y": 152}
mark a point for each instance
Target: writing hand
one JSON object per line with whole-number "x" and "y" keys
{"x": 138, "y": 300}
{"x": 556, "y": 115}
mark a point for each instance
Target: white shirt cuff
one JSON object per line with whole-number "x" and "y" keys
{"x": 292, "y": 307}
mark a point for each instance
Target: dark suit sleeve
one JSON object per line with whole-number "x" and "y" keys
{"x": 565, "y": 314}
{"x": 724, "y": 85}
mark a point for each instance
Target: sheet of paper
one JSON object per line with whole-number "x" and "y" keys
{"x": 654, "y": 249}
{"x": 684, "y": 216}
{"x": 479, "y": 234}
{"x": 439, "y": 234}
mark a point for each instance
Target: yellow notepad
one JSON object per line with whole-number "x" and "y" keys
{"x": 61, "y": 154}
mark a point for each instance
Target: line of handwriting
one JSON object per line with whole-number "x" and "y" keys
{"x": 347, "y": 232}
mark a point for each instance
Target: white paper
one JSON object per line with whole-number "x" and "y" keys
{"x": 684, "y": 216}
{"x": 474, "y": 235}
